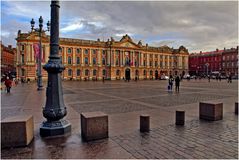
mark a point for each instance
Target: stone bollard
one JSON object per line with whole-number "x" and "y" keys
{"x": 94, "y": 126}
{"x": 17, "y": 131}
{"x": 144, "y": 123}
{"x": 180, "y": 117}
{"x": 236, "y": 108}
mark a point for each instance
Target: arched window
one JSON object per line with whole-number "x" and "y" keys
{"x": 69, "y": 60}
{"x": 78, "y": 60}
{"x": 78, "y": 50}
{"x": 78, "y": 72}
{"x": 23, "y": 72}
{"x": 103, "y": 61}
{"x": 86, "y": 51}
{"x": 94, "y": 72}
{"x": 94, "y": 61}
{"x": 104, "y": 52}
{"x": 86, "y": 72}
{"x": 69, "y": 50}
{"x": 86, "y": 60}
{"x": 145, "y": 72}
{"x": 93, "y": 51}
{"x": 117, "y": 61}
{"x": 117, "y": 72}
{"x": 151, "y": 73}
{"x": 104, "y": 72}
{"x": 69, "y": 72}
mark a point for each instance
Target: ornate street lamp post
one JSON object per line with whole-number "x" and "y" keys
{"x": 54, "y": 109}
{"x": 40, "y": 31}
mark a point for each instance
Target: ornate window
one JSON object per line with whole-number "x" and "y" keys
{"x": 93, "y": 51}
{"x": 69, "y": 50}
{"x": 22, "y": 58}
{"x": 86, "y": 60}
{"x": 22, "y": 49}
{"x": 86, "y": 72}
{"x": 117, "y": 72}
{"x": 23, "y": 72}
{"x": 145, "y": 72}
{"x": 104, "y": 52}
{"x": 104, "y": 72}
{"x": 156, "y": 64}
{"x": 86, "y": 51}
{"x": 151, "y": 73}
{"x": 150, "y": 63}
{"x": 78, "y": 60}
{"x": 94, "y": 72}
{"x": 78, "y": 50}
{"x": 94, "y": 61}
{"x": 78, "y": 72}
{"x": 103, "y": 61}
{"x": 69, "y": 60}
{"x": 117, "y": 61}
{"x": 69, "y": 72}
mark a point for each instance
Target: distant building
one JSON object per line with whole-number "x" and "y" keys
{"x": 7, "y": 59}
{"x": 230, "y": 61}
{"x": 87, "y": 59}
{"x": 221, "y": 61}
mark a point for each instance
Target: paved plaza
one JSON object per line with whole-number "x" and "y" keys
{"x": 124, "y": 102}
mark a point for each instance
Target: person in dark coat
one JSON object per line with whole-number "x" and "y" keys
{"x": 8, "y": 84}
{"x": 177, "y": 83}
{"x": 170, "y": 83}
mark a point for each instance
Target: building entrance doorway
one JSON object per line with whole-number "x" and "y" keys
{"x": 156, "y": 74}
{"x": 127, "y": 74}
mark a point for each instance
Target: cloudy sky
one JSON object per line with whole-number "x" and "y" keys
{"x": 199, "y": 25}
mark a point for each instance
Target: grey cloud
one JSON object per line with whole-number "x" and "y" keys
{"x": 196, "y": 25}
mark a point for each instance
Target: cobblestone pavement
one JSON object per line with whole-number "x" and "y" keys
{"x": 197, "y": 139}
{"x": 124, "y": 102}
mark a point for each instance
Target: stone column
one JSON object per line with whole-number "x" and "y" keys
{"x": 99, "y": 57}
{"x": 90, "y": 59}
{"x": 82, "y": 57}
{"x": 142, "y": 59}
{"x": 65, "y": 54}
{"x": 153, "y": 61}
{"x": 123, "y": 58}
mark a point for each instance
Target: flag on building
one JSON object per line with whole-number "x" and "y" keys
{"x": 36, "y": 48}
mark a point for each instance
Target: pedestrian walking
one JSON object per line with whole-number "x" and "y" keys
{"x": 208, "y": 78}
{"x": 170, "y": 83}
{"x": 103, "y": 79}
{"x": 177, "y": 83}
{"x": 8, "y": 84}
{"x": 230, "y": 78}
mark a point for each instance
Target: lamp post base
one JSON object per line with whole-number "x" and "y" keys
{"x": 55, "y": 128}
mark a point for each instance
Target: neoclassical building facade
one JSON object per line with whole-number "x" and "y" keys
{"x": 87, "y": 59}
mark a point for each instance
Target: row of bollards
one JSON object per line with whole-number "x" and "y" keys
{"x": 145, "y": 120}
{"x": 179, "y": 119}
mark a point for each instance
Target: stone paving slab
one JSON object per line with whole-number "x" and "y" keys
{"x": 197, "y": 139}
{"x": 124, "y": 102}
{"x": 114, "y": 107}
{"x": 179, "y": 99}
